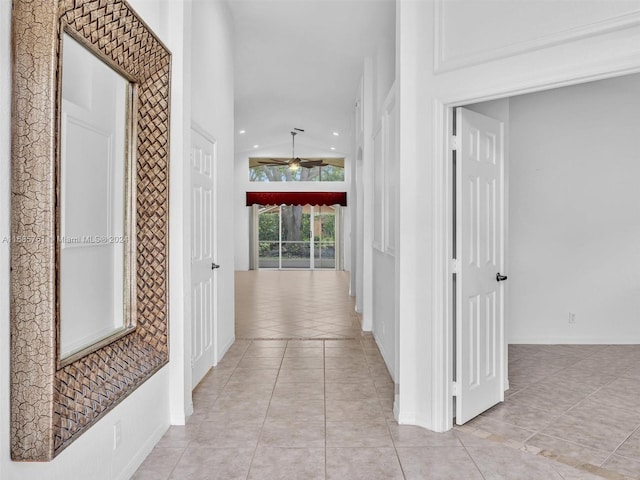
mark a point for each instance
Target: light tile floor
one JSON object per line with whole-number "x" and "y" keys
{"x": 579, "y": 402}
{"x": 295, "y": 304}
{"x": 322, "y": 409}
{"x": 281, "y": 407}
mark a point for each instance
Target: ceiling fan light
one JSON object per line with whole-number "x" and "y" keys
{"x": 294, "y": 167}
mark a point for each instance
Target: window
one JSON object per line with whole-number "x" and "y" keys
{"x": 264, "y": 170}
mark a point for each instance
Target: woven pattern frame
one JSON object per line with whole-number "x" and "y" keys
{"x": 51, "y": 407}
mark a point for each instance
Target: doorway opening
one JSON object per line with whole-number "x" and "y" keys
{"x": 571, "y": 337}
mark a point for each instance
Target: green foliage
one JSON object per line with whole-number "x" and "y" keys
{"x": 328, "y": 227}
{"x": 268, "y": 249}
{"x": 268, "y": 226}
{"x": 331, "y": 174}
{"x": 306, "y": 226}
{"x": 296, "y": 250}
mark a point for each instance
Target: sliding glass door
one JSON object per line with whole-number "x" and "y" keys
{"x": 324, "y": 235}
{"x": 268, "y": 237}
{"x": 295, "y": 240}
{"x": 297, "y": 237}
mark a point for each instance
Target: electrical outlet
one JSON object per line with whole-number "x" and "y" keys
{"x": 572, "y": 318}
{"x": 117, "y": 434}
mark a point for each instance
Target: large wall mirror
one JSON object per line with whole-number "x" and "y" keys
{"x": 89, "y": 251}
{"x": 95, "y": 256}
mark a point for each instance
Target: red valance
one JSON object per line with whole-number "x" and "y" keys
{"x": 297, "y": 198}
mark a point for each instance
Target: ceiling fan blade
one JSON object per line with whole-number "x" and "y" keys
{"x": 311, "y": 163}
{"x": 273, "y": 162}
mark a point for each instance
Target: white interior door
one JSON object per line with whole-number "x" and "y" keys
{"x": 203, "y": 266}
{"x": 480, "y": 242}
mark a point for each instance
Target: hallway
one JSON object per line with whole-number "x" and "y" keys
{"x": 316, "y": 409}
{"x": 284, "y": 407}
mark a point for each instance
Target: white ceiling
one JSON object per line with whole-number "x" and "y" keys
{"x": 298, "y": 64}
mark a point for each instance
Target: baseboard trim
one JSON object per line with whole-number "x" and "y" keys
{"x": 413, "y": 418}
{"x": 384, "y": 356}
{"x": 143, "y": 452}
{"x": 225, "y": 349}
{"x": 576, "y": 341}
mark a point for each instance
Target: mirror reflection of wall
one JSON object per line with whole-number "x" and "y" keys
{"x": 93, "y": 197}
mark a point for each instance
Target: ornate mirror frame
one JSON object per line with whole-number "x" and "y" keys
{"x": 54, "y": 402}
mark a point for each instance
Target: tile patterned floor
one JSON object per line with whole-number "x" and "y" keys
{"x": 302, "y": 394}
{"x": 580, "y": 403}
{"x": 322, "y": 409}
{"x": 295, "y": 304}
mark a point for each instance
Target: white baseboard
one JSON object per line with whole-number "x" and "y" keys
{"x": 179, "y": 418}
{"x": 575, "y": 341}
{"x": 396, "y": 408}
{"x": 384, "y": 356}
{"x": 143, "y": 453}
{"x": 225, "y": 348}
{"x": 413, "y": 418}
{"x": 407, "y": 418}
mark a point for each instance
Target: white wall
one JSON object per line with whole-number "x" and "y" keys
{"x": 202, "y": 96}
{"x": 574, "y": 214}
{"x": 384, "y": 307}
{"x": 382, "y": 112}
{"x": 144, "y": 415}
{"x": 212, "y": 80}
{"x": 179, "y": 27}
{"x": 384, "y": 285}
{"x": 384, "y": 64}
{"x": 357, "y": 203}
{"x": 457, "y": 53}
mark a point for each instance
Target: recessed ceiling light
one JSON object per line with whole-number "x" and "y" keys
{"x": 242, "y": 131}
{"x": 256, "y": 146}
{"x": 336, "y": 134}
{"x": 333, "y": 148}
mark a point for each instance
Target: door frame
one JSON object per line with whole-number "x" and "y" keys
{"x": 214, "y": 237}
{"x": 443, "y": 109}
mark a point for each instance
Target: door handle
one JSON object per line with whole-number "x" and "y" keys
{"x": 215, "y": 265}
{"x": 500, "y": 278}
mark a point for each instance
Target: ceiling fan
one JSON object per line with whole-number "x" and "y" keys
{"x": 295, "y": 162}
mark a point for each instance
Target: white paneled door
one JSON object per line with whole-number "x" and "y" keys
{"x": 480, "y": 258}
{"x": 203, "y": 266}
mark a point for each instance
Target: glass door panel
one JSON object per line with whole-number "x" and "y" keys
{"x": 324, "y": 229}
{"x": 269, "y": 237}
{"x": 295, "y": 236}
